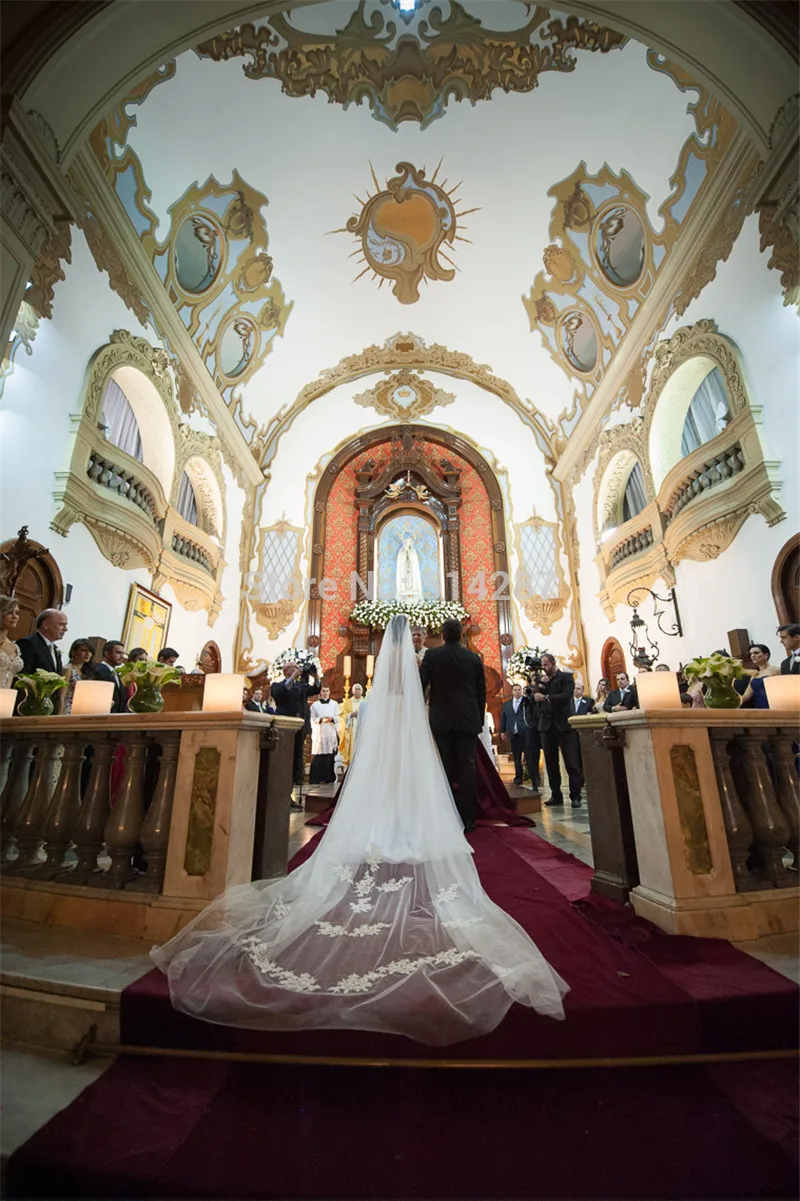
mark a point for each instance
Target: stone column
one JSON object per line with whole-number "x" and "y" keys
{"x": 93, "y": 814}
{"x": 14, "y": 793}
{"x": 788, "y": 789}
{"x": 770, "y": 829}
{"x": 124, "y": 824}
{"x": 737, "y": 826}
{"x": 62, "y": 813}
{"x": 29, "y": 826}
{"x": 154, "y": 836}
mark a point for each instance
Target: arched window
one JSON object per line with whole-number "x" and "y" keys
{"x": 635, "y": 496}
{"x": 119, "y": 421}
{"x": 187, "y": 501}
{"x": 709, "y": 412}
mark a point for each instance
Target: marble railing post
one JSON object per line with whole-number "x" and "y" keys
{"x": 125, "y": 820}
{"x": 6, "y": 751}
{"x": 788, "y": 789}
{"x": 737, "y": 827}
{"x": 770, "y": 830}
{"x": 154, "y": 837}
{"x": 93, "y": 814}
{"x": 19, "y": 776}
{"x": 62, "y": 812}
{"x": 29, "y": 826}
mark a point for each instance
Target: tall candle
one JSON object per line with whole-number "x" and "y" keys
{"x": 370, "y": 664}
{"x": 348, "y": 666}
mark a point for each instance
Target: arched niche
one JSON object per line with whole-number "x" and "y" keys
{"x": 155, "y": 429}
{"x": 682, "y": 364}
{"x": 208, "y": 493}
{"x": 426, "y": 534}
{"x": 611, "y": 491}
{"x": 612, "y": 661}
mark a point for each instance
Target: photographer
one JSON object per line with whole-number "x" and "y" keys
{"x": 552, "y": 692}
{"x": 291, "y": 700}
{"x": 533, "y": 742}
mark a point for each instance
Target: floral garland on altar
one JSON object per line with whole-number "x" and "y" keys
{"x": 431, "y": 614}
{"x": 303, "y": 657}
{"x": 521, "y": 665}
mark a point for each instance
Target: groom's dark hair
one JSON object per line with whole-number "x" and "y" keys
{"x": 451, "y": 630}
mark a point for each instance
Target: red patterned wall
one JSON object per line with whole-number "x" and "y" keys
{"x": 477, "y": 553}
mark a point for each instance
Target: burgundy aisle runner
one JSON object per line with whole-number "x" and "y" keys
{"x": 655, "y": 995}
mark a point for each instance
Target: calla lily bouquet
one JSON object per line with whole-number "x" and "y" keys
{"x": 722, "y": 667}
{"x": 41, "y": 683}
{"x": 148, "y": 674}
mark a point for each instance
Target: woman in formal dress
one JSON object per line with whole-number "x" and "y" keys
{"x": 601, "y": 693}
{"x": 755, "y": 695}
{"x": 386, "y": 926}
{"x": 77, "y": 668}
{"x": 10, "y": 658}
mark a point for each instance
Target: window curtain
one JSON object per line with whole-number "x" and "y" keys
{"x": 187, "y": 501}
{"x": 635, "y": 497}
{"x": 708, "y": 414}
{"x": 122, "y": 428}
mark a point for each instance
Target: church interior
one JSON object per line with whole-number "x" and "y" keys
{"x": 322, "y": 311}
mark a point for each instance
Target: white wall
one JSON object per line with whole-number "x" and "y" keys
{"x": 733, "y": 591}
{"x": 40, "y": 396}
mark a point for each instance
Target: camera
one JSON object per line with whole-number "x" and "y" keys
{"x": 306, "y": 672}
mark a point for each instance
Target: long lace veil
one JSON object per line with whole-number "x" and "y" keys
{"x": 386, "y": 926}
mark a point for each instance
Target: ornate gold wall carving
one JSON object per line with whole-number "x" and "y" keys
{"x": 404, "y": 396}
{"x": 276, "y": 592}
{"x": 402, "y": 230}
{"x": 48, "y": 271}
{"x": 412, "y": 77}
{"x": 543, "y": 610}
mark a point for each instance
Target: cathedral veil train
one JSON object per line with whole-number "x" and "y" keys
{"x": 386, "y": 926}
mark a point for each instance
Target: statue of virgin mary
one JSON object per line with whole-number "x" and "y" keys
{"x": 408, "y": 580}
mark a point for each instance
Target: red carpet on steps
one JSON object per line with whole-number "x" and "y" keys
{"x": 167, "y": 1128}
{"x": 634, "y": 990}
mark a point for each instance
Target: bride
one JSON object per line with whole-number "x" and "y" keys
{"x": 386, "y": 927}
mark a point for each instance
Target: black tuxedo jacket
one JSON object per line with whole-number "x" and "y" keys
{"x": 457, "y": 698}
{"x": 630, "y": 700}
{"x": 102, "y": 671}
{"x": 36, "y": 653}
{"x": 787, "y": 667}
{"x": 582, "y": 707}
{"x": 555, "y": 712}
{"x": 508, "y": 716}
{"x": 292, "y": 700}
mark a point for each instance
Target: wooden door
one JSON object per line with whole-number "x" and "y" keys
{"x": 38, "y": 587}
{"x": 786, "y": 582}
{"x": 612, "y": 661}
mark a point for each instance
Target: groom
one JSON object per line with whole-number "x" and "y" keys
{"x": 457, "y": 702}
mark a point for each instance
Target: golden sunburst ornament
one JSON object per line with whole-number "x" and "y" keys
{"x": 402, "y": 230}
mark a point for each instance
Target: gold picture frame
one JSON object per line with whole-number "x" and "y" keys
{"x": 146, "y": 621}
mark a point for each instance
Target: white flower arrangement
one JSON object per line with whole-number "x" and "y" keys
{"x": 520, "y": 665}
{"x": 302, "y": 657}
{"x": 431, "y": 614}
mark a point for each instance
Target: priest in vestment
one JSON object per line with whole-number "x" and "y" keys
{"x": 324, "y": 716}
{"x": 349, "y": 723}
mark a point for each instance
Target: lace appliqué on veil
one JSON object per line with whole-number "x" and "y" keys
{"x": 258, "y": 954}
{"x": 401, "y": 967}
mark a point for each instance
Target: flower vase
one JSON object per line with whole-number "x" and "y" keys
{"x": 146, "y": 699}
{"x": 35, "y": 706}
{"x": 721, "y": 694}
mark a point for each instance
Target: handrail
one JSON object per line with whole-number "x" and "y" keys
{"x": 714, "y": 470}
{"x": 107, "y": 474}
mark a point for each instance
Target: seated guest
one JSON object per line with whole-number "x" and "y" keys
{"x": 39, "y": 649}
{"x": 79, "y": 667}
{"x": 622, "y": 697}
{"x": 113, "y": 656}
{"x": 581, "y": 705}
{"x": 790, "y": 637}
{"x": 137, "y": 655}
{"x": 755, "y": 694}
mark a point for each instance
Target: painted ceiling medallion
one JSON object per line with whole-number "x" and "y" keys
{"x": 404, "y": 396}
{"x": 410, "y": 70}
{"x": 403, "y": 228}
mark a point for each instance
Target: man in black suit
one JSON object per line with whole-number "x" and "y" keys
{"x": 291, "y": 700}
{"x": 512, "y": 724}
{"x": 457, "y": 702}
{"x": 553, "y": 692}
{"x": 790, "y": 637}
{"x": 39, "y": 649}
{"x": 622, "y": 697}
{"x": 581, "y": 705}
{"x": 113, "y": 657}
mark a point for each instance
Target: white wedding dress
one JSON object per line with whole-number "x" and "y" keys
{"x": 386, "y": 927}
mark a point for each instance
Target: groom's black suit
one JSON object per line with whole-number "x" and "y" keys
{"x": 457, "y": 701}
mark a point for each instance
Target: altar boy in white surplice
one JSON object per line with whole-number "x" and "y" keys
{"x": 324, "y": 715}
